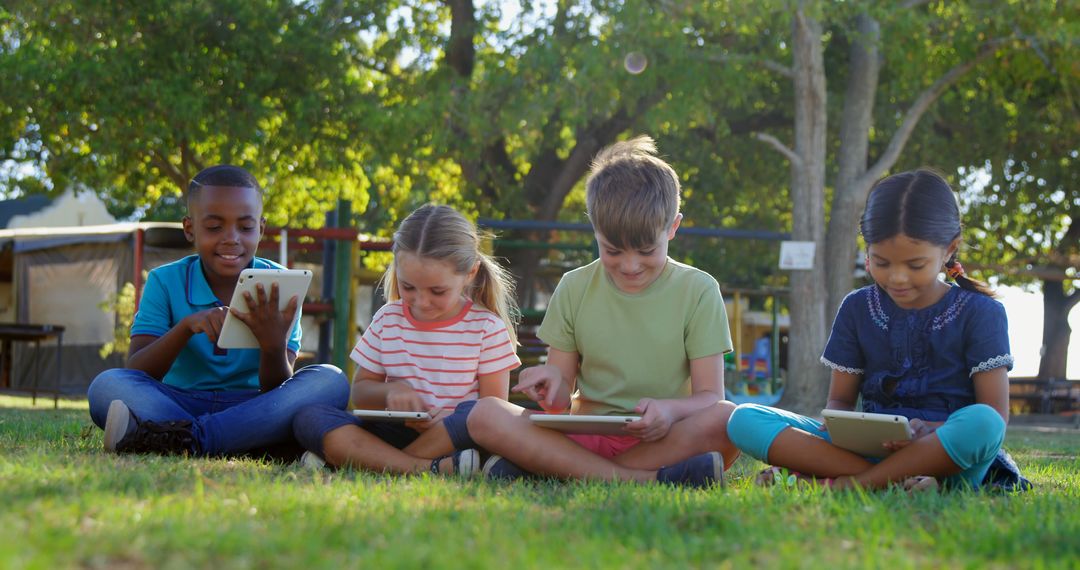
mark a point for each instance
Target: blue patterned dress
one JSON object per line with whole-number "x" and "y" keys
{"x": 918, "y": 363}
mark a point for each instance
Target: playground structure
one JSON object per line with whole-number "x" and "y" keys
{"x": 69, "y": 278}
{"x": 72, "y": 279}
{"x": 335, "y": 308}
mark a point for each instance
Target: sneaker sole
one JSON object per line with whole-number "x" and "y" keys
{"x": 718, "y": 469}
{"x": 468, "y": 463}
{"x": 116, "y": 423}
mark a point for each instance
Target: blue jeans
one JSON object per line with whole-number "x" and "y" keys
{"x": 225, "y": 422}
{"x": 971, "y": 436}
{"x": 313, "y": 423}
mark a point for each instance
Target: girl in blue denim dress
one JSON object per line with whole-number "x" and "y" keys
{"x": 911, "y": 345}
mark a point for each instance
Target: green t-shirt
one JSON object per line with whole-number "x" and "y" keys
{"x": 635, "y": 346}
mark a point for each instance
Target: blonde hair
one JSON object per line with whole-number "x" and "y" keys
{"x": 442, "y": 233}
{"x": 631, "y": 194}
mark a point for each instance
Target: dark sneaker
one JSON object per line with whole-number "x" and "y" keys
{"x": 466, "y": 462}
{"x": 499, "y": 467}
{"x": 125, "y": 433}
{"x": 702, "y": 470}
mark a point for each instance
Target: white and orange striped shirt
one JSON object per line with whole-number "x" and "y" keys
{"x": 440, "y": 360}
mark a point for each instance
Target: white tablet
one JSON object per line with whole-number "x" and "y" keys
{"x": 864, "y": 432}
{"x": 291, "y": 283}
{"x": 390, "y": 415}
{"x": 568, "y": 423}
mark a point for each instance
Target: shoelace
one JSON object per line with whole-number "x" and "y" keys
{"x": 172, "y": 437}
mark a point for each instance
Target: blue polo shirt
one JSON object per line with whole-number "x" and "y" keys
{"x": 178, "y": 289}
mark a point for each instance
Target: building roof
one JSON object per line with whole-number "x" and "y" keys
{"x": 21, "y": 207}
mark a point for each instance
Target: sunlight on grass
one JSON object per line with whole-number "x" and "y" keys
{"x": 44, "y": 402}
{"x": 68, "y": 504}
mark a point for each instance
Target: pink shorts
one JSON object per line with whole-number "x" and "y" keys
{"x": 605, "y": 445}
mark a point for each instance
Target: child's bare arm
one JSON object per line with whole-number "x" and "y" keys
{"x": 495, "y": 385}
{"x": 706, "y": 389}
{"x": 550, "y": 385}
{"x": 372, "y": 391}
{"x": 992, "y": 389}
{"x": 843, "y": 390}
{"x": 155, "y": 355}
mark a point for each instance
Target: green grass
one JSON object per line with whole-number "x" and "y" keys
{"x": 66, "y": 504}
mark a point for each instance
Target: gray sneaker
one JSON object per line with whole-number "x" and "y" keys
{"x": 702, "y": 470}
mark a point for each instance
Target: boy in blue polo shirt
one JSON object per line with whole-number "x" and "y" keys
{"x": 180, "y": 393}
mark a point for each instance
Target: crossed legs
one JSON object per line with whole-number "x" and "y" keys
{"x": 504, "y": 429}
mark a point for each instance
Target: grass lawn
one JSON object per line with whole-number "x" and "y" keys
{"x": 67, "y": 504}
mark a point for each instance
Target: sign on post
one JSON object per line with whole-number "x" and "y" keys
{"x": 797, "y": 254}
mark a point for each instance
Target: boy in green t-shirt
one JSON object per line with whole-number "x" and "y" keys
{"x": 631, "y": 333}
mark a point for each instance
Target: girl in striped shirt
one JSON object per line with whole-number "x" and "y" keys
{"x": 445, "y": 338}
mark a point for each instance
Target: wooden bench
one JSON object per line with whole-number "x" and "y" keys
{"x": 22, "y": 332}
{"x": 1036, "y": 396}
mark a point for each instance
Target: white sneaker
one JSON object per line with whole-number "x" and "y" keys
{"x": 466, "y": 463}
{"x": 312, "y": 461}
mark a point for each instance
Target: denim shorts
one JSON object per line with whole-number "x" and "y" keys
{"x": 312, "y": 423}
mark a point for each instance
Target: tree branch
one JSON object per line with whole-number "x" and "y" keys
{"x": 913, "y": 4}
{"x": 1034, "y": 43}
{"x": 780, "y": 147}
{"x": 752, "y": 60}
{"x": 169, "y": 170}
{"x": 916, "y": 111}
{"x": 1042, "y": 272}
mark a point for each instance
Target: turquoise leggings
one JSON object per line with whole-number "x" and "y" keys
{"x": 971, "y": 436}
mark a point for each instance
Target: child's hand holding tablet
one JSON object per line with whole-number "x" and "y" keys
{"x": 291, "y": 287}
{"x": 868, "y": 434}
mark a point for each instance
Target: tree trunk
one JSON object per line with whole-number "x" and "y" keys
{"x": 807, "y": 380}
{"x": 854, "y": 177}
{"x": 1056, "y": 330}
{"x": 841, "y": 248}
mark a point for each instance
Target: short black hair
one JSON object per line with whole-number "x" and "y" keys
{"x": 221, "y": 175}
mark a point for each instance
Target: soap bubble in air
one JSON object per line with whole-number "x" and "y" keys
{"x": 635, "y": 62}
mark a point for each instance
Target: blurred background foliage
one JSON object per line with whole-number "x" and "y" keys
{"x": 497, "y": 107}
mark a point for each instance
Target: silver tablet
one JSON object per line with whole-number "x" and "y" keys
{"x": 601, "y": 425}
{"x": 390, "y": 415}
{"x": 865, "y": 433}
{"x": 291, "y": 283}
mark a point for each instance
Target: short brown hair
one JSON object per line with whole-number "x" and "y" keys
{"x": 631, "y": 194}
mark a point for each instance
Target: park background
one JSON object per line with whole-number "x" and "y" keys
{"x": 778, "y": 115}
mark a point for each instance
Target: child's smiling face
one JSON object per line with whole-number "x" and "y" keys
{"x": 225, "y": 223}
{"x": 430, "y": 288}
{"x": 907, "y": 269}
{"x": 633, "y": 270}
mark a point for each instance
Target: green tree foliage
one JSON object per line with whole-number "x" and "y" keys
{"x": 1014, "y": 136}
{"x": 498, "y": 107}
{"x": 863, "y": 74}
{"x": 132, "y": 99}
